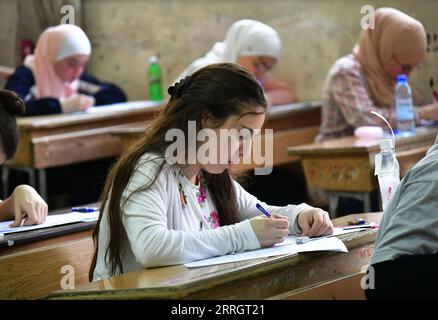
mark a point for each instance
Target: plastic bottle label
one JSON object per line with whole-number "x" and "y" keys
{"x": 405, "y": 111}
{"x": 377, "y": 163}
{"x": 388, "y": 185}
{"x": 154, "y": 79}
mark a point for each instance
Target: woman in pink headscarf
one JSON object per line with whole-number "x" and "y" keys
{"x": 53, "y": 79}
{"x": 365, "y": 80}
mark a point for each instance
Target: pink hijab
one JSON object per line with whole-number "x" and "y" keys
{"x": 54, "y": 44}
{"x": 396, "y": 35}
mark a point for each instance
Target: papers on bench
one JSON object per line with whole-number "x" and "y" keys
{"x": 131, "y": 105}
{"x": 51, "y": 221}
{"x": 288, "y": 246}
{"x": 280, "y": 110}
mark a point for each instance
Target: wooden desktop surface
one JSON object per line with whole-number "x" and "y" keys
{"x": 31, "y": 261}
{"x": 283, "y": 277}
{"x": 55, "y": 140}
{"x": 347, "y": 164}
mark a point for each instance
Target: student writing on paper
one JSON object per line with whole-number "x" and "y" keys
{"x": 53, "y": 79}
{"x": 163, "y": 207}
{"x": 364, "y": 80}
{"x": 256, "y": 47}
{"x": 24, "y": 203}
{"x": 405, "y": 258}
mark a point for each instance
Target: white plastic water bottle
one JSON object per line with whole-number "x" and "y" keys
{"x": 404, "y": 107}
{"x": 387, "y": 170}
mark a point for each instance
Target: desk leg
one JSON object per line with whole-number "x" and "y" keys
{"x": 5, "y": 180}
{"x": 42, "y": 183}
{"x": 333, "y": 205}
{"x": 379, "y": 200}
{"x": 32, "y": 178}
{"x": 367, "y": 201}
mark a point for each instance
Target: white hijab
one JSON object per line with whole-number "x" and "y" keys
{"x": 244, "y": 38}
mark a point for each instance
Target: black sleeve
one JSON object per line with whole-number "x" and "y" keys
{"x": 109, "y": 93}
{"x": 21, "y": 82}
{"x": 44, "y": 106}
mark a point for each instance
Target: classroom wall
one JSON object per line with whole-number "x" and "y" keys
{"x": 314, "y": 34}
{"x": 8, "y": 32}
{"x": 124, "y": 33}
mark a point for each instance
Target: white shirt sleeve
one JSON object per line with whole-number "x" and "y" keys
{"x": 154, "y": 244}
{"x": 246, "y": 203}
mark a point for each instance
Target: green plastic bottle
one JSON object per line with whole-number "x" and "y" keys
{"x": 154, "y": 79}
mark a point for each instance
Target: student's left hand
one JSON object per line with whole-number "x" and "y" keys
{"x": 315, "y": 222}
{"x": 28, "y": 206}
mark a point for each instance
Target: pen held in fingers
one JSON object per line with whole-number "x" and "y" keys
{"x": 266, "y": 213}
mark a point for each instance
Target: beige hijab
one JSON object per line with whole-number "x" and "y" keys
{"x": 396, "y": 36}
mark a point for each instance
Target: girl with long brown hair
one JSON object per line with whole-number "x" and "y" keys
{"x": 157, "y": 213}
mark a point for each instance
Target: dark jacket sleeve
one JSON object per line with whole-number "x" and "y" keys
{"x": 21, "y": 81}
{"x": 108, "y": 93}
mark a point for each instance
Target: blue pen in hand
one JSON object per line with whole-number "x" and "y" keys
{"x": 84, "y": 209}
{"x": 266, "y": 213}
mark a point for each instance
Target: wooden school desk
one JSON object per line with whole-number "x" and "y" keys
{"x": 292, "y": 124}
{"x": 314, "y": 275}
{"x": 63, "y": 139}
{"x": 31, "y": 261}
{"x": 345, "y": 166}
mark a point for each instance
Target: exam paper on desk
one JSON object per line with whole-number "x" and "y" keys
{"x": 288, "y": 246}
{"x": 51, "y": 221}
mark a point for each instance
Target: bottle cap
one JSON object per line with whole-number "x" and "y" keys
{"x": 153, "y": 59}
{"x": 386, "y": 144}
{"x": 402, "y": 78}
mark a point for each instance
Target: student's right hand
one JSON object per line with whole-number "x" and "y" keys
{"x": 28, "y": 206}
{"x": 270, "y": 231}
{"x": 76, "y": 102}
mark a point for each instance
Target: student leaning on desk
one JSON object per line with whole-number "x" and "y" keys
{"x": 155, "y": 213}
{"x": 52, "y": 80}
{"x": 256, "y": 47}
{"x": 364, "y": 80}
{"x": 24, "y": 201}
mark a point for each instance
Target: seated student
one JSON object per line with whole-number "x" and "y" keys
{"x": 405, "y": 259}
{"x": 24, "y": 203}
{"x": 52, "y": 80}
{"x": 156, "y": 212}
{"x": 365, "y": 80}
{"x": 256, "y": 47}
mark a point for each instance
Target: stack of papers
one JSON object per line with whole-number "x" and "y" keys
{"x": 51, "y": 221}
